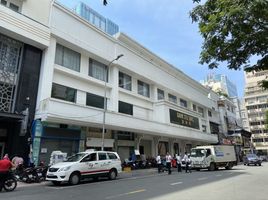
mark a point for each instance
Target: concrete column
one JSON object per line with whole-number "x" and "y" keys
{"x": 46, "y": 73}
{"x": 137, "y": 141}
{"x": 113, "y": 101}
{"x": 82, "y": 139}
{"x": 155, "y": 144}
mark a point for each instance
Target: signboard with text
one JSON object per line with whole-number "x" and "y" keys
{"x": 183, "y": 119}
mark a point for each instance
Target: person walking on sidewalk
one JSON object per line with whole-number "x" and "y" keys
{"x": 159, "y": 164}
{"x": 178, "y": 157}
{"x": 168, "y": 162}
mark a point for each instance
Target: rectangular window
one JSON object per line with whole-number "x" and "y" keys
{"x": 204, "y": 128}
{"x": 160, "y": 94}
{"x": 98, "y": 70}
{"x": 209, "y": 113}
{"x": 63, "y": 93}
{"x": 143, "y": 89}
{"x": 95, "y": 100}
{"x": 201, "y": 111}
{"x": 67, "y": 58}
{"x": 124, "y": 81}
{"x": 183, "y": 103}
{"x": 4, "y": 2}
{"x": 194, "y": 107}
{"x": 14, "y": 7}
{"x": 172, "y": 98}
{"x": 125, "y": 108}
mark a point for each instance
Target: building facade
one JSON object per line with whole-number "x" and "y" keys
{"x": 256, "y": 102}
{"x": 24, "y": 35}
{"x": 148, "y": 108}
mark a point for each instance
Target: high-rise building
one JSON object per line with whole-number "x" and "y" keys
{"x": 96, "y": 19}
{"x": 256, "y": 102}
{"x": 220, "y": 83}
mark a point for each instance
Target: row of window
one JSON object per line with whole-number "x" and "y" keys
{"x": 71, "y": 59}
{"x": 257, "y": 106}
{"x": 69, "y": 94}
{"x": 10, "y": 5}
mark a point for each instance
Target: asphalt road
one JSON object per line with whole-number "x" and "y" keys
{"x": 243, "y": 182}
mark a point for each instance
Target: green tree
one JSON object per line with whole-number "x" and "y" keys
{"x": 233, "y": 31}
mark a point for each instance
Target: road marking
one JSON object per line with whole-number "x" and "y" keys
{"x": 177, "y": 183}
{"x": 125, "y": 194}
{"x": 201, "y": 179}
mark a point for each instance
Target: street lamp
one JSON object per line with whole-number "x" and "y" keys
{"x": 105, "y": 99}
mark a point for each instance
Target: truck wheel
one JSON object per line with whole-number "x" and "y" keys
{"x": 229, "y": 166}
{"x": 211, "y": 167}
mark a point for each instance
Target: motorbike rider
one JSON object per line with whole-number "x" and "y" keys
{"x": 5, "y": 166}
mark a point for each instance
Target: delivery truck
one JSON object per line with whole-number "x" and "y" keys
{"x": 212, "y": 157}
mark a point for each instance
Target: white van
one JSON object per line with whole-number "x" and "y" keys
{"x": 84, "y": 165}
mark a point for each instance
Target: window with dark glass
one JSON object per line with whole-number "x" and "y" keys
{"x": 172, "y": 98}
{"x": 102, "y": 156}
{"x": 143, "y": 89}
{"x": 160, "y": 94}
{"x": 67, "y": 58}
{"x": 63, "y": 93}
{"x": 125, "y": 108}
{"x": 201, "y": 111}
{"x": 112, "y": 156}
{"x": 4, "y": 2}
{"x": 95, "y": 100}
{"x": 14, "y": 7}
{"x": 98, "y": 70}
{"x": 194, "y": 107}
{"x": 209, "y": 113}
{"x": 124, "y": 81}
{"x": 183, "y": 103}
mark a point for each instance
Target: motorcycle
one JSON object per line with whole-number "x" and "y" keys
{"x": 10, "y": 182}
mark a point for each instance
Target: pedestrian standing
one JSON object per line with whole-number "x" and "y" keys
{"x": 158, "y": 161}
{"x": 185, "y": 159}
{"x": 178, "y": 157}
{"x": 168, "y": 162}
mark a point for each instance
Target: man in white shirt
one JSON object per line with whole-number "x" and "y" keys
{"x": 168, "y": 162}
{"x": 158, "y": 161}
{"x": 178, "y": 157}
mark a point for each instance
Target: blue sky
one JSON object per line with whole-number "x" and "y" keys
{"x": 165, "y": 28}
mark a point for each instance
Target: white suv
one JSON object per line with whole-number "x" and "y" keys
{"x": 84, "y": 165}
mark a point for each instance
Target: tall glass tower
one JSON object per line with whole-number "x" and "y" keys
{"x": 96, "y": 19}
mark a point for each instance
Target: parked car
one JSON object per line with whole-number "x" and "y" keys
{"x": 252, "y": 159}
{"x": 85, "y": 165}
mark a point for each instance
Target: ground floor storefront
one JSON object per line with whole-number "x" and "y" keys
{"x": 49, "y": 137}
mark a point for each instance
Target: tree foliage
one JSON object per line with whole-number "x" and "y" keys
{"x": 233, "y": 31}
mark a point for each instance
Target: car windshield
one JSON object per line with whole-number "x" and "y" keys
{"x": 252, "y": 156}
{"x": 197, "y": 153}
{"x": 75, "y": 157}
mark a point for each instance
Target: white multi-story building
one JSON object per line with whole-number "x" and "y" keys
{"x": 152, "y": 106}
{"x": 256, "y": 102}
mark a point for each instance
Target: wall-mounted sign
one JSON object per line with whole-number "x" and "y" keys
{"x": 183, "y": 119}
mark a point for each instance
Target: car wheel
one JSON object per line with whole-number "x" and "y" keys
{"x": 74, "y": 179}
{"x": 112, "y": 174}
{"x": 57, "y": 183}
{"x": 259, "y": 164}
